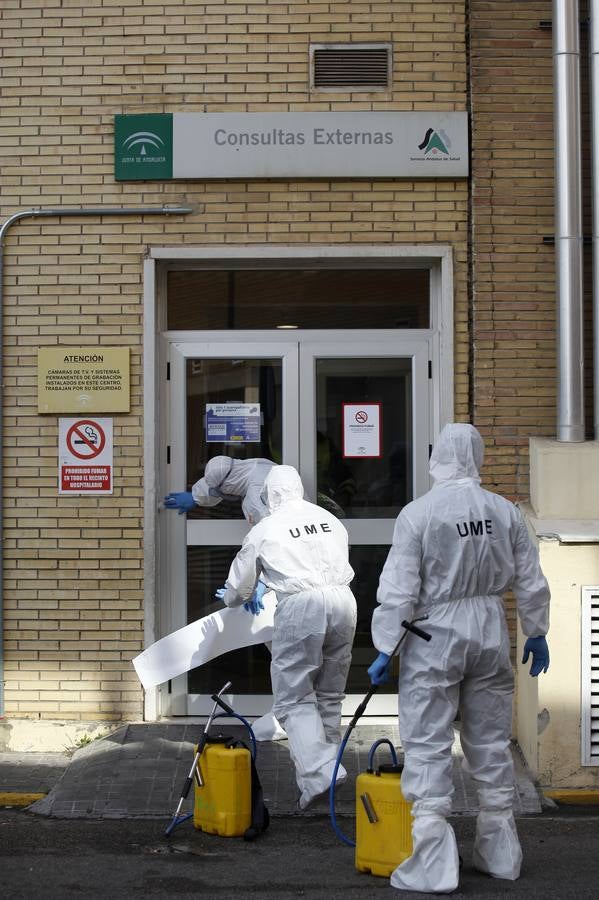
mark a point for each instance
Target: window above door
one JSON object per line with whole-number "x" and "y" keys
{"x": 208, "y": 299}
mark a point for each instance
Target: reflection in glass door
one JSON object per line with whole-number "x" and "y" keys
{"x": 305, "y": 391}
{"x": 255, "y": 381}
{"x": 202, "y": 544}
{"x": 365, "y": 481}
{"x": 364, "y": 424}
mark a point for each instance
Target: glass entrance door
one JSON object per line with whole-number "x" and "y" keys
{"x": 351, "y": 417}
{"x": 364, "y": 454}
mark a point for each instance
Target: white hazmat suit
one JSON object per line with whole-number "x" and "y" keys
{"x": 243, "y": 478}
{"x": 455, "y": 552}
{"x": 301, "y": 551}
{"x": 223, "y": 478}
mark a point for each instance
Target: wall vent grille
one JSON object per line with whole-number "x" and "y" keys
{"x": 350, "y": 67}
{"x": 590, "y": 676}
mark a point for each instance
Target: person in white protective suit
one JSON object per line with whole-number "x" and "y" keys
{"x": 301, "y": 552}
{"x": 234, "y": 479}
{"x": 455, "y": 552}
{"x": 225, "y": 478}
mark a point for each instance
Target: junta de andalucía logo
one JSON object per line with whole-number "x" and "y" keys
{"x": 138, "y": 143}
{"x": 143, "y": 146}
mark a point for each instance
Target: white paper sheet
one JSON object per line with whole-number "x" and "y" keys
{"x": 203, "y": 640}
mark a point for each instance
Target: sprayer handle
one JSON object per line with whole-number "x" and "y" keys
{"x": 222, "y": 704}
{"x": 360, "y": 710}
{"x": 415, "y": 630}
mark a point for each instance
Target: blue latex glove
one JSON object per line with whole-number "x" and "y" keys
{"x": 254, "y": 605}
{"x": 220, "y": 594}
{"x": 379, "y": 670}
{"x": 540, "y": 655}
{"x": 182, "y": 500}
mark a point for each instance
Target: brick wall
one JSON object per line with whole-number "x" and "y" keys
{"x": 74, "y": 566}
{"x": 513, "y": 309}
{"x": 513, "y": 271}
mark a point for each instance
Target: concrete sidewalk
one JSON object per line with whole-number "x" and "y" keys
{"x": 139, "y": 771}
{"x": 25, "y": 777}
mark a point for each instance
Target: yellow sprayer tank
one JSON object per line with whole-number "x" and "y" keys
{"x": 223, "y": 805}
{"x": 383, "y": 822}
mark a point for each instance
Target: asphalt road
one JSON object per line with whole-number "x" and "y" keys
{"x": 297, "y": 857}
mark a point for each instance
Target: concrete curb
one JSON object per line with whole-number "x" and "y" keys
{"x": 18, "y": 798}
{"x": 579, "y": 796}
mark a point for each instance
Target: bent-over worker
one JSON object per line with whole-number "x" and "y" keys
{"x": 226, "y": 478}
{"x": 231, "y": 479}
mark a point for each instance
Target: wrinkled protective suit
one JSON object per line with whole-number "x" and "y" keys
{"x": 301, "y": 551}
{"x": 455, "y": 551}
{"x": 242, "y": 478}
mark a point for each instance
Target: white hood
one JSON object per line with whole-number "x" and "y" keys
{"x": 458, "y": 453}
{"x": 216, "y": 471}
{"x": 233, "y": 479}
{"x": 282, "y": 485}
{"x": 207, "y": 491}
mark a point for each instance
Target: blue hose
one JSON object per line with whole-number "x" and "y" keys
{"x": 234, "y": 715}
{"x": 371, "y": 752}
{"x": 336, "y": 828}
{"x": 178, "y": 820}
{"x": 378, "y": 743}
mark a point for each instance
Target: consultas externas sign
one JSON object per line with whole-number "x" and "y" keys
{"x": 159, "y": 147}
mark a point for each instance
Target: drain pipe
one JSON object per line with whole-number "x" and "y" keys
{"x": 594, "y": 72}
{"x": 568, "y": 220}
{"x": 48, "y": 213}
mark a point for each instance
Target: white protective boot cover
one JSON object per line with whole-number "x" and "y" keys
{"x": 312, "y": 642}
{"x": 314, "y": 758}
{"x": 497, "y": 849}
{"x": 268, "y": 728}
{"x": 311, "y": 793}
{"x": 434, "y": 866}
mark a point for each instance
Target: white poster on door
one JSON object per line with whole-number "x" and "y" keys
{"x": 232, "y": 423}
{"x": 362, "y": 430}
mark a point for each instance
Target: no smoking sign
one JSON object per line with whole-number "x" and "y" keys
{"x": 85, "y": 456}
{"x": 86, "y": 439}
{"x": 362, "y": 430}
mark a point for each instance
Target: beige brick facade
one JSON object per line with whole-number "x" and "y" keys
{"x": 74, "y": 582}
{"x": 512, "y": 278}
{"x": 513, "y": 286}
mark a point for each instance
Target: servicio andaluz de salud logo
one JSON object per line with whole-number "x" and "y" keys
{"x": 435, "y": 145}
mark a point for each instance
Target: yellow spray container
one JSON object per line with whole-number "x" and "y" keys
{"x": 383, "y": 821}
{"x": 223, "y": 804}
{"x": 383, "y": 816}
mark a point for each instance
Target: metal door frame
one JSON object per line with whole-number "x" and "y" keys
{"x": 227, "y": 532}
{"x": 439, "y": 259}
{"x": 370, "y": 531}
{"x": 299, "y": 414}
{"x": 373, "y": 345}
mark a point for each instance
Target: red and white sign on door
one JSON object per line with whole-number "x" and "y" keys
{"x": 362, "y": 430}
{"x": 85, "y": 456}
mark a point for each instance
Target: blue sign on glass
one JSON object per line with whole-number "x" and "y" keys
{"x": 232, "y": 423}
